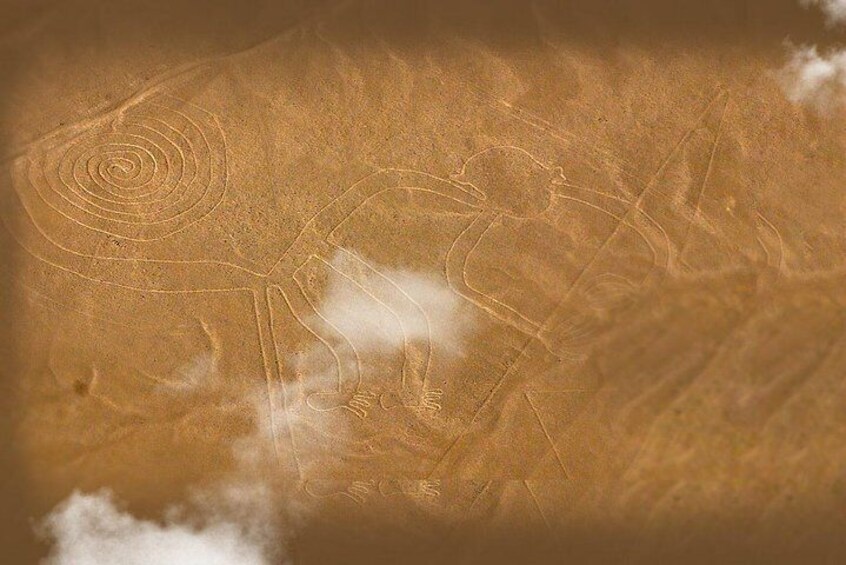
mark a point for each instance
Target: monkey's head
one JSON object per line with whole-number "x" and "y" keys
{"x": 510, "y": 180}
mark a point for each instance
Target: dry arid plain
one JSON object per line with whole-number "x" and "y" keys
{"x": 422, "y": 282}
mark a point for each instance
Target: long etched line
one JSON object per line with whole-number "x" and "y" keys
{"x": 548, "y": 437}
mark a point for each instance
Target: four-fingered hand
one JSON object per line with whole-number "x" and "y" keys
{"x": 426, "y": 400}
{"x": 358, "y": 403}
{"x": 427, "y": 490}
{"x": 359, "y": 491}
{"x": 431, "y": 400}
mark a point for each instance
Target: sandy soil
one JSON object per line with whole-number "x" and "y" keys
{"x": 450, "y": 283}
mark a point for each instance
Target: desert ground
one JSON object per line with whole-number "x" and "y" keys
{"x": 422, "y": 282}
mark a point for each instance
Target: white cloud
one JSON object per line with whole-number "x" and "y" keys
{"x": 814, "y": 79}
{"x": 403, "y": 306}
{"x": 241, "y": 519}
{"x": 835, "y": 10}
{"x": 197, "y": 372}
{"x": 91, "y": 529}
